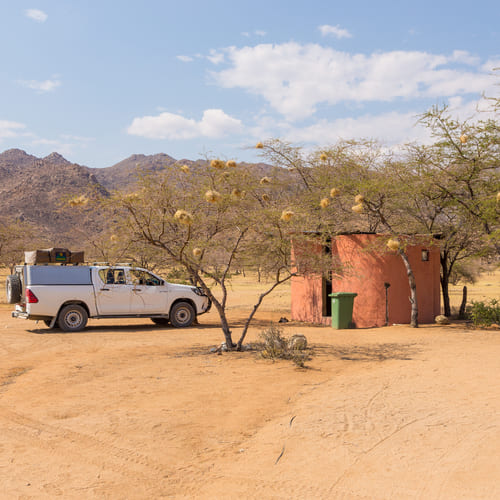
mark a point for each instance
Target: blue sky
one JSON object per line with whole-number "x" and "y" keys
{"x": 98, "y": 81}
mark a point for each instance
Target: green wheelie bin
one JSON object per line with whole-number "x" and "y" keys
{"x": 342, "y": 305}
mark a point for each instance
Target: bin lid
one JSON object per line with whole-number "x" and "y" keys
{"x": 343, "y": 294}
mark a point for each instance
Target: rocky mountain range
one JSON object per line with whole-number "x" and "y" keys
{"x": 34, "y": 190}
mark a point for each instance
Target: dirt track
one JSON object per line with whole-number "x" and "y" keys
{"x": 135, "y": 411}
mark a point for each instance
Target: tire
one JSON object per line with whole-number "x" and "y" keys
{"x": 48, "y": 322}
{"x": 182, "y": 315}
{"x": 72, "y": 318}
{"x": 13, "y": 289}
{"x": 160, "y": 321}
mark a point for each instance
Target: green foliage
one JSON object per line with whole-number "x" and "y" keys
{"x": 275, "y": 346}
{"x": 178, "y": 275}
{"x": 485, "y": 313}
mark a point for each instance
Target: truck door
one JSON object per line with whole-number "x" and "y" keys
{"x": 149, "y": 293}
{"x": 113, "y": 293}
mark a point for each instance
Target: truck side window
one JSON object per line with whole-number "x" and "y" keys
{"x": 144, "y": 278}
{"x": 113, "y": 276}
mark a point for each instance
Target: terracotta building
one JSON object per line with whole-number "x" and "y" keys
{"x": 361, "y": 263}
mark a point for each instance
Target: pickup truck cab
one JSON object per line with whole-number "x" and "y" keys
{"x": 66, "y": 296}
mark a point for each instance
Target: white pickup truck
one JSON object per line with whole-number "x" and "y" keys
{"x": 66, "y": 296}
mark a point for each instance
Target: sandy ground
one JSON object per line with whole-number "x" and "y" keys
{"x": 129, "y": 410}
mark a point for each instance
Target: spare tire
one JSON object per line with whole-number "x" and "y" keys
{"x": 13, "y": 289}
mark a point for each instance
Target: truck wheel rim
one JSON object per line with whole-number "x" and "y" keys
{"x": 74, "y": 319}
{"x": 182, "y": 315}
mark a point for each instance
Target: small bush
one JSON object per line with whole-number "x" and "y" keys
{"x": 484, "y": 313}
{"x": 178, "y": 275}
{"x": 275, "y": 346}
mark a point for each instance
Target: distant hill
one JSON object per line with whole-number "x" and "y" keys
{"x": 35, "y": 189}
{"x": 124, "y": 174}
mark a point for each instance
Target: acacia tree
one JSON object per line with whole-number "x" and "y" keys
{"x": 460, "y": 175}
{"x": 211, "y": 219}
{"x": 16, "y": 237}
{"x": 351, "y": 186}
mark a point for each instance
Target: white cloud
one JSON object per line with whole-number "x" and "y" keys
{"x": 392, "y": 127}
{"x": 185, "y": 58}
{"x": 10, "y": 129}
{"x": 37, "y": 15}
{"x": 294, "y": 79}
{"x": 465, "y": 57}
{"x": 247, "y": 34}
{"x": 215, "y": 56}
{"x": 41, "y": 86}
{"x": 214, "y": 123}
{"x": 335, "y": 31}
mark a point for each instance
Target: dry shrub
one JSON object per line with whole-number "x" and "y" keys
{"x": 265, "y": 197}
{"x": 275, "y": 346}
{"x": 185, "y": 169}
{"x": 231, "y": 164}
{"x": 197, "y": 252}
{"x": 359, "y": 198}
{"x": 358, "y": 208}
{"x": 287, "y": 215}
{"x": 265, "y": 180}
{"x": 334, "y": 192}
{"x": 78, "y": 201}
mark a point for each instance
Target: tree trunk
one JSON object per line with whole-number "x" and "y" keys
{"x": 446, "y": 296}
{"x": 220, "y": 306}
{"x": 413, "y": 290}
{"x": 445, "y": 283}
{"x": 461, "y": 313}
{"x": 224, "y": 325}
{"x": 256, "y": 306}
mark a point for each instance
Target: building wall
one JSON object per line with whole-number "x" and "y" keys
{"x": 366, "y": 265}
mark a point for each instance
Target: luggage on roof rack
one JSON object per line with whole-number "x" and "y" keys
{"x": 53, "y": 256}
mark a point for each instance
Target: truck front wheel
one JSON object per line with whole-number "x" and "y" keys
{"x": 182, "y": 315}
{"x": 72, "y": 318}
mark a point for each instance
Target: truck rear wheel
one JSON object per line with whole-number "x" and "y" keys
{"x": 182, "y": 315}
{"x": 72, "y": 318}
{"x": 13, "y": 289}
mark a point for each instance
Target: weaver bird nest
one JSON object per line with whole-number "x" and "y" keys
{"x": 287, "y": 215}
{"x": 183, "y": 217}
{"x": 213, "y": 196}
{"x": 217, "y": 164}
{"x": 393, "y": 244}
